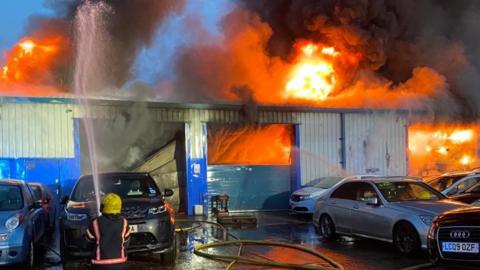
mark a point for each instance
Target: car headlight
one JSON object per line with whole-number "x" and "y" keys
{"x": 304, "y": 197}
{"x": 307, "y": 197}
{"x": 157, "y": 210}
{"x": 12, "y": 223}
{"x": 75, "y": 217}
{"x": 427, "y": 219}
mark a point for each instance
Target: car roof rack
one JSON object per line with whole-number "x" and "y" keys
{"x": 459, "y": 172}
{"x": 396, "y": 177}
{"x": 361, "y": 176}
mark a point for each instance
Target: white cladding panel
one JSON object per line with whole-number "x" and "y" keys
{"x": 320, "y": 145}
{"x": 36, "y": 130}
{"x": 375, "y": 143}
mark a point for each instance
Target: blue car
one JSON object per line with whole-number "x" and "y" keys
{"x": 22, "y": 223}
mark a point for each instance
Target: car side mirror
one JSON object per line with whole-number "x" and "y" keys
{"x": 37, "y": 204}
{"x": 167, "y": 192}
{"x": 373, "y": 201}
{"x": 64, "y": 200}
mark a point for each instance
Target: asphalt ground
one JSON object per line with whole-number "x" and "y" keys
{"x": 284, "y": 227}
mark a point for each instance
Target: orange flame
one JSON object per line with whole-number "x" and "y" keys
{"x": 434, "y": 149}
{"x": 313, "y": 76}
{"x": 262, "y": 145}
{"x": 31, "y": 59}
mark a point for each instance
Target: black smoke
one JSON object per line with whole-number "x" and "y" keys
{"x": 393, "y": 36}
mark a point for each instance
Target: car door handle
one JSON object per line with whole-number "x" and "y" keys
{"x": 355, "y": 207}
{"x": 333, "y": 203}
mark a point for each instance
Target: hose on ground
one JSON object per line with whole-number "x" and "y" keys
{"x": 233, "y": 259}
{"x": 263, "y": 262}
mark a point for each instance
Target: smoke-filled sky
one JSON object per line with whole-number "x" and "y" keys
{"x": 151, "y": 62}
{"x": 14, "y": 16}
{"x": 392, "y": 53}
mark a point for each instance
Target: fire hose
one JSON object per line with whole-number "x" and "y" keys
{"x": 263, "y": 262}
{"x": 233, "y": 259}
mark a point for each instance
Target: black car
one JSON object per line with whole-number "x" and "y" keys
{"x": 454, "y": 238}
{"x": 468, "y": 196}
{"x": 149, "y": 216}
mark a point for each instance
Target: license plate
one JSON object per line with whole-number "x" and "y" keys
{"x": 459, "y": 247}
{"x": 133, "y": 228}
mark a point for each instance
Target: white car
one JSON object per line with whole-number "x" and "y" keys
{"x": 399, "y": 210}
{"x": 303, "y": 200}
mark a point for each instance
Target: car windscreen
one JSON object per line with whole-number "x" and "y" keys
{"x": 326, "y": 182}
{"x": 10, "y": 198}
{"x": 37, "y": 192}
{"x": 473, "y": 189}
{"x": 124, "y": 186}
{"x": 407, "y": 191}
{"x": 443, "y": 182}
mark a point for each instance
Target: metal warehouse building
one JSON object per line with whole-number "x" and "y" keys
{"x": 41, "y": 140}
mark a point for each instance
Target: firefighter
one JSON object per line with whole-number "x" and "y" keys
{"x": 110, "y": 234}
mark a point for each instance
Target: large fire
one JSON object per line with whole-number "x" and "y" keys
{"x": 434, "y": 149}
{"x": 313, "y": 76}
{"x": 31, "y": 59}
{"x": 252, "y": 145}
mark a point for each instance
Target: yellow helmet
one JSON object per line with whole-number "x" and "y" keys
{"x": 112, "y": 204}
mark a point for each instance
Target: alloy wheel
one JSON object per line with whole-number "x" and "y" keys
{"x": 327, "y": 227}
{"x": 406, "y": 239}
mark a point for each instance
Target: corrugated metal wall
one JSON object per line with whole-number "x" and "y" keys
{"x": 36, "y": 130}
{"x": 375, "y": 143}
{"x": 320, "y": 145}
{"x": 372, "y": 140}
{"x": 364, "y": 142}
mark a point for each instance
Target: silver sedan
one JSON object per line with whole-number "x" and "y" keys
{"x": 396, "y": 210}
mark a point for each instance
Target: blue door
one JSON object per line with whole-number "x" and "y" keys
{"x": 251, "y": 187}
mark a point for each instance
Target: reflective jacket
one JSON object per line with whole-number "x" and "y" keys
{"x": 110, "y": 234}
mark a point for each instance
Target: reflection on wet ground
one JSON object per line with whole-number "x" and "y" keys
{"x": 277, "y": 226}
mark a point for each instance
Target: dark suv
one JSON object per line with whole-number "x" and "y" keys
{"x": 150, "y": 218}
{"x": 454, "y": 238}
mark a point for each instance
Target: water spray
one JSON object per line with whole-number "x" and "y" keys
{"x": 89, "y": 33}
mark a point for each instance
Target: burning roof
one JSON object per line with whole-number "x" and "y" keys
{"x": 336, "y": 53}
{"x": 32, "y": 59}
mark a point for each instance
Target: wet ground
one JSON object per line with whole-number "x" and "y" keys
{"x": 278, "y": 226}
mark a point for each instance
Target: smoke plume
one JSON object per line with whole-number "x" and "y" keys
{"x": 407, "y": 54}
{"x": 130, "y": 26}
{"x": 126, "y": 139}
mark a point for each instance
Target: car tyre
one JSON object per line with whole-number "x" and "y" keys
{"x": 405, "y": 238}
{"x": 327, "y": 228}
{"x": 169, "y": 257}
{"x": 30, "y": 259}
{"x": 52, "y": 224}
{"x": 63, "y": 249}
